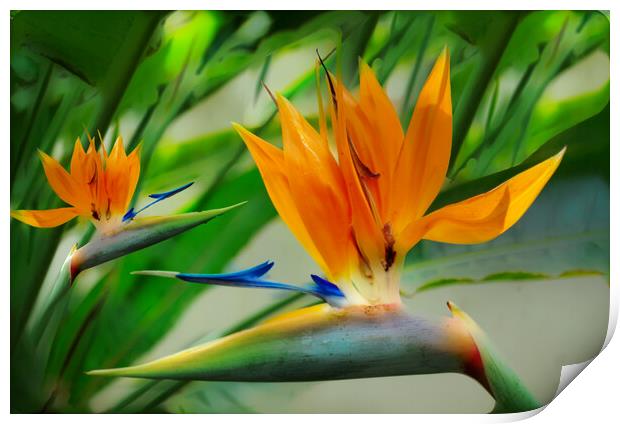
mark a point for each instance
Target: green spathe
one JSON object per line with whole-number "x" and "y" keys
{"x": 316, "y": 344}
{"x": 325, "y": 343}
{"x": 136, "y": 235}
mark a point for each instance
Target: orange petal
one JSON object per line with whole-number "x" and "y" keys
{"x": 96, "y": 183}
{"x": 133, "y": 173}
{"x": 270, "y": 162}
{"x": 317, "y": 188}
{"x": 91, "y": 145}
{"x": 78, "y": 160}
{"x": 361, "y": 186}
{"x": 425, "y": 155}
{"x": 83, "y": 170}
{"x": 300, "y": 137}
{"x": 121, "y": 175}
{"x": 368, "y": 142}
{"x": 388, "y": 133}
{"x": 118, "y": 150}
{"x": 45, "y": 218}
{"x": 65, "y": 186}
{"x": 474, "y": 220}
{"x": 488, "y": 215}
{"x": 527, "y": 185}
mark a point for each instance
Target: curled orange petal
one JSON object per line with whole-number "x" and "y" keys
{"x": 486, "y": 216}
{"x": 475, "y": 220}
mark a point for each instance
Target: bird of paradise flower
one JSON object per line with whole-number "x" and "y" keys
{"x": 358, "y": 214}
{"x": 100, "y": 187}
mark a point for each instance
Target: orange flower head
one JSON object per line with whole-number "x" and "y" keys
{"x": 98, "y": 187}
{"x": 358, "y": 214}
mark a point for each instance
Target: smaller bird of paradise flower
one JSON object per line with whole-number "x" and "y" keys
{"x": 99, "y": 187}
{"x": 358, "y": 213}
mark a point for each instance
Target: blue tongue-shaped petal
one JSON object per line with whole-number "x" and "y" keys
{"x": 251, "y": 277}
{"x": 131, "y": 214}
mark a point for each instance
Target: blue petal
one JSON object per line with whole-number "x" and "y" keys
{"x": 326, "y": 287}
{"x": 170, "y": 193}
{"x": 226, "y": 280}
{"x": 130, "y": 214}
{"x": 247, "y": 278}
{"x": 247, "y": 274}
{"x": 251, "y": 277}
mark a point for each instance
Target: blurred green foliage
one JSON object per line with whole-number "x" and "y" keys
{"x": 140, "y": 73}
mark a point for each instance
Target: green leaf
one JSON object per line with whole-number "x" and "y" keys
{"x": 38, "y": 247}
{"x": 338, "y": 23}
{"x": 71, "y": 343}
{"x": 579, "y": 273}
{"x": 534, "y": 30}
{"x": 515, "y": 276}
{"x": 441, "y": 282}
{"x": 475, "y": 27}
{"x": 185, "y": 38}
{"x": 42, "y": 314}
{"x": 491, "y": 33}
{"x": 510, "y": 144}
{"x": 550, "y": 116}
{"x": 404, "y": 34}
{"x": 587, "y": 153}
{"x": 88, "y": 44}
{"x": 507, "y": 276}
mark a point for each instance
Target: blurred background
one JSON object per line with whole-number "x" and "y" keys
{"x": 524, "y": 84}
